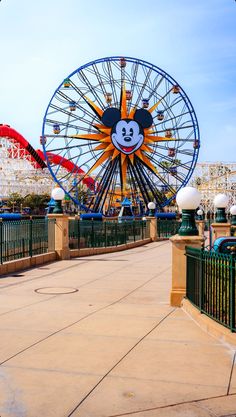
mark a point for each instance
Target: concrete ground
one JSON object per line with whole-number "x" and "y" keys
{"x": 96, "y": 337}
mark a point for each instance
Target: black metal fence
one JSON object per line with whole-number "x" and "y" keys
{"x": 26, "y": 238}
{"x": 211, "y": 284}
{"x": 167, "y": 228}
{"x": 94, "y": 234}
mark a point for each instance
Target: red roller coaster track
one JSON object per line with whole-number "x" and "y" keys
{"x": 37, "y": 157}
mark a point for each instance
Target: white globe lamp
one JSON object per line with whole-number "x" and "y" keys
{"x": 151, "y": 208}
{"x": 58, "y": 195}
{"x": 233, "y": 215}
{"x": 188, "y": 199}
{"x": 220, "y": 202}
{"x": 200, "y": 214}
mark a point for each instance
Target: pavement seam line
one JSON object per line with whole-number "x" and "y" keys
{"x": 81, "y": 319}
{"x": 231, "y": 372}
{"x": 26, "y": 306}
{"x": 80, "y": 260}
{"x": 118, "y": 362}
{"x": 171, "y": 405}
{"x": 81, "y": 286}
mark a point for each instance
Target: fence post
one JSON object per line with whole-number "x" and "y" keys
{"x": 31, "y": 238}
{"x": 1, "y": 240}
{"x": 232, "y": 291}
{"x": 92, "y": 234}
{"x": 134, "y": 230}
{"x": 105, "y": 233}
{"x": 61, "y": 235}
{"x": 116, "y": 233}
{"x": 142, "y": 229}
{"x": 78, "y": 231}
{"x": 179, "y": 267}
{"x": 201, "y": 277}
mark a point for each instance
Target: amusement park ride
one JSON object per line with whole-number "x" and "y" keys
{"x": 126, "y": 128}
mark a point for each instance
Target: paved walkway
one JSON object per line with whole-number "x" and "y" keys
{"x": 113, "y": 348}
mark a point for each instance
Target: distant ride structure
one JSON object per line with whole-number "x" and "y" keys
{"x": 22, "y": 168}
{"x": 127, "y": 129}
{"x": 212, "y": 178}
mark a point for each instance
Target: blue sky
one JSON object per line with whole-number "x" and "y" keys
{"x": 194, "y": 41}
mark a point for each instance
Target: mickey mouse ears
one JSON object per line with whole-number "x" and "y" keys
{"x": 113, "y": 115}
{"x": 143, "y": 117}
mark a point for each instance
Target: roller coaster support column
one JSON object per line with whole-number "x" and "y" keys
{"x": 61, "y": 235}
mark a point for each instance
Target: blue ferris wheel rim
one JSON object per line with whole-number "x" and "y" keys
{"x": 161, "y": 72}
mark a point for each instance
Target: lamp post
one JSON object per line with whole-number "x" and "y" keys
{"x": 200, "y": 214}
{"x": 188, "y": 199}
{"x": 220, "y": 202}
{"x": 233, "y": 214}
{"x": 58, "y": 195}
{"x": 151, "y": 208}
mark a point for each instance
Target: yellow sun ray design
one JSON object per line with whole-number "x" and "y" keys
{"x": 105, "y": 143}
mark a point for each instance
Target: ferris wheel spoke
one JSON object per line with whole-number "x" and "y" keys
{"x": 170, "y": 119}
{"x": 77, "y": 105}
{"x": 153, "y": 91}
{"x": 66, "y": 112}
{"x": 165, "y": 167}
{"x": 151, "y": 185}
{"x": 133, "y": 84}
{"x": 141, "y": 91}
{"x": 100, "y": 82}
{"x": 110, "y": 186}
{"x": 104, "y": 185}
{"x": 173, "y": 104}
{"x": 161, "y": 178}
{"x": 111, "y": 77}
{"x": 156, "y": 194}
{"x": 91, "y": 89}
{"x": 67, "y": 147}
{"x": 141, "y": 184}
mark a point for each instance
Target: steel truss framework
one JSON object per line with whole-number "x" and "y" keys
{"x": 18, "y": 173}
{"x": 212, "y": 178}
{"x": 74, "y": 128}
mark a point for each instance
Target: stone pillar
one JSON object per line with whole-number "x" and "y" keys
{"x": 61, "y": 235}
{"x": 153, "y": 228}
{"x": 201, "y": 227}
{"x": 220, "y": 229}
{"x": 179, "y": 269}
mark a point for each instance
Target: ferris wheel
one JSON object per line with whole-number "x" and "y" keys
{"x": 127, "y": 128}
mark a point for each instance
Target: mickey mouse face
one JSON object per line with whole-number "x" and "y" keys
{"x": 126, "y": 136}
